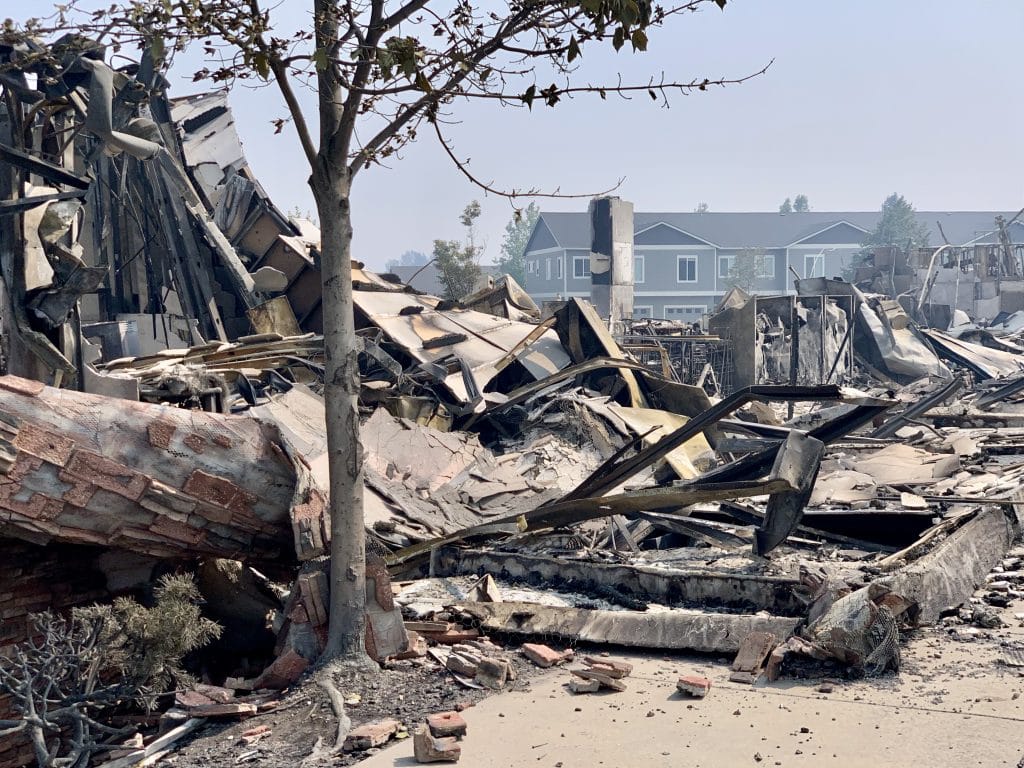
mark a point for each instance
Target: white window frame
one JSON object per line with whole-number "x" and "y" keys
{"x": 730, "y": 261}
{"x": 696, "y": 266}
{"x": 558, "y": 267}
{"x": 648, "y": 307}
{"x": 765, "y": 259}
{"x": 577, "y": 273}
{"x": 701, "y": 310}
{"x": 639, "y": 261}
{"x": 547, "y": 269}
{"x": 811, "y": 258}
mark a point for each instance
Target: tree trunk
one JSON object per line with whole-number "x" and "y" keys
{"x": 346, "y": 641}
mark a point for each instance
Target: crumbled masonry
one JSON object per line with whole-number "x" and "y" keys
{"x": 543, "y": 477}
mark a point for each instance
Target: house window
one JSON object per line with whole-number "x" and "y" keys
{"x": 558, "y": 268}
{"x": 686, "y": 269}
{"x": 725, "y": 265}
{"x": 547, "y": 269}
{"x": 766, "y": 266}
{"x": 581, "y": 266}
{"x": 643, "y": 312}
{"x": 814, "y": 265}
{"x": 685, "y": 313}
{"x": 638, "y": 268}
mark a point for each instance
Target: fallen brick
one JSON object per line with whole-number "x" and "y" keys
{"x": 610, "y": 667}
{"x": 417, "y": 647}
{"x": 694, "y": 685}
{"x": 285, "y": 670}
{"x": 370, "y": 735}
{"x": 452, "y": 636}
{"x": 447, "y": 724}
{"x": 253, "y": 735}
{"x": 543, "y": 655}
{"x": 215, "y": 692}
{"x": 429, "y": 749}
{"x": 492, "y": 673}
{"x": 190, "y": 699}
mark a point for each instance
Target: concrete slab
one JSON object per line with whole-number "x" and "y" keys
{"x": 952, "y": 705}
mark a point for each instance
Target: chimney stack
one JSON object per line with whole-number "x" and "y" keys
{"x": 611, "y": 259}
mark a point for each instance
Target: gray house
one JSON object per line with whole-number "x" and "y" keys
{"x": 682, "y": 261}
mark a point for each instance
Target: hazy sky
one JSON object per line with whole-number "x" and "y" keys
{"x": 920, "y": 97}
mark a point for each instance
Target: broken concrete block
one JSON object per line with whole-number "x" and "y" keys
{"x": 543, "y": 655}
{"x": 462, "y": 665}
{"x": 429, "y": 749}
{"x": 370, "y": 735}
{"x": 576, "y": 685}
{"x": 492, "y": 673}
{"x": 610, "y": 667}
{"x": 694, "y": 685}
{"x": 485, "y": 590}
{"x": 447, "y": 724}
{"x": 216, "y": 693}
{"x": 604, "y": 680}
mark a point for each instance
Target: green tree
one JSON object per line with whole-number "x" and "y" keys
{"x": 459, "y": 263}
{"x": 513, "y": 245}
{"x": 702, "y": 208}
{"x": 747, "y": 268}
{"x": 787, "y": 206}
{"x": 801, "y": 204}
{"x": 898, "y": 225}
{"x": 382, "y": 71}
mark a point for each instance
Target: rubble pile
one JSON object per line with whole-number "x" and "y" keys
{"x": 525, "y": 477}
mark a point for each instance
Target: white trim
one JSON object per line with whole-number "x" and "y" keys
{"x": 826, "y": 229}
{"x": 547, "y": 269}
{"x": 816, "y": 256}
{"x": 676, "y": 247}
{"x": 550, "y": 295}
{"x": 827, "y": 246}
{"x": 696, "y": 266}
{"x": 648, "y": 307}
{"x": 764, "y": 260}
{"x": 559, "y": 271}
{"x": 542, "y": 251}
{"x": 732, "y": 261}
{"x": 639, "y": 260}
{"x": 670, "y": 226}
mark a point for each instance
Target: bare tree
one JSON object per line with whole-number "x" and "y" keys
{"x": 383, "y": 70}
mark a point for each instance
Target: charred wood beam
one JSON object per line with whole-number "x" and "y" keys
{"x": 933, "y": 399}
{"x": 53, "y": 173}
{"x": 20, "y": 205}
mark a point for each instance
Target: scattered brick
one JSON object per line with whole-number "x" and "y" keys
{"x": 370, "y": 735}
{"x": 447, "y": 724}
{"x": 285, "y": 670}
{"x": 238, "y": 709}
{"x": 452, "y": 636}
{"x": 610, "y": 667}
{"x": 545, "y": 656}
{"x": 429, "y": 749}
{"x": 417, "y": 646}
{"x": 253, "y": 735}
{"x": 694, "y": 685}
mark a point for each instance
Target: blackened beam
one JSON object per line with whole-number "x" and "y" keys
{"x": 986, "y": 401}
{"x": 22, "y": 204}
{"x": 599, "y": 483}
{"x": 797, "y": 462}
{"x": 49, "y": 171}
{"x": 935, "y": 398}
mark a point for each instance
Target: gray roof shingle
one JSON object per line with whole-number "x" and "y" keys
{"x": 776, "y": 230}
